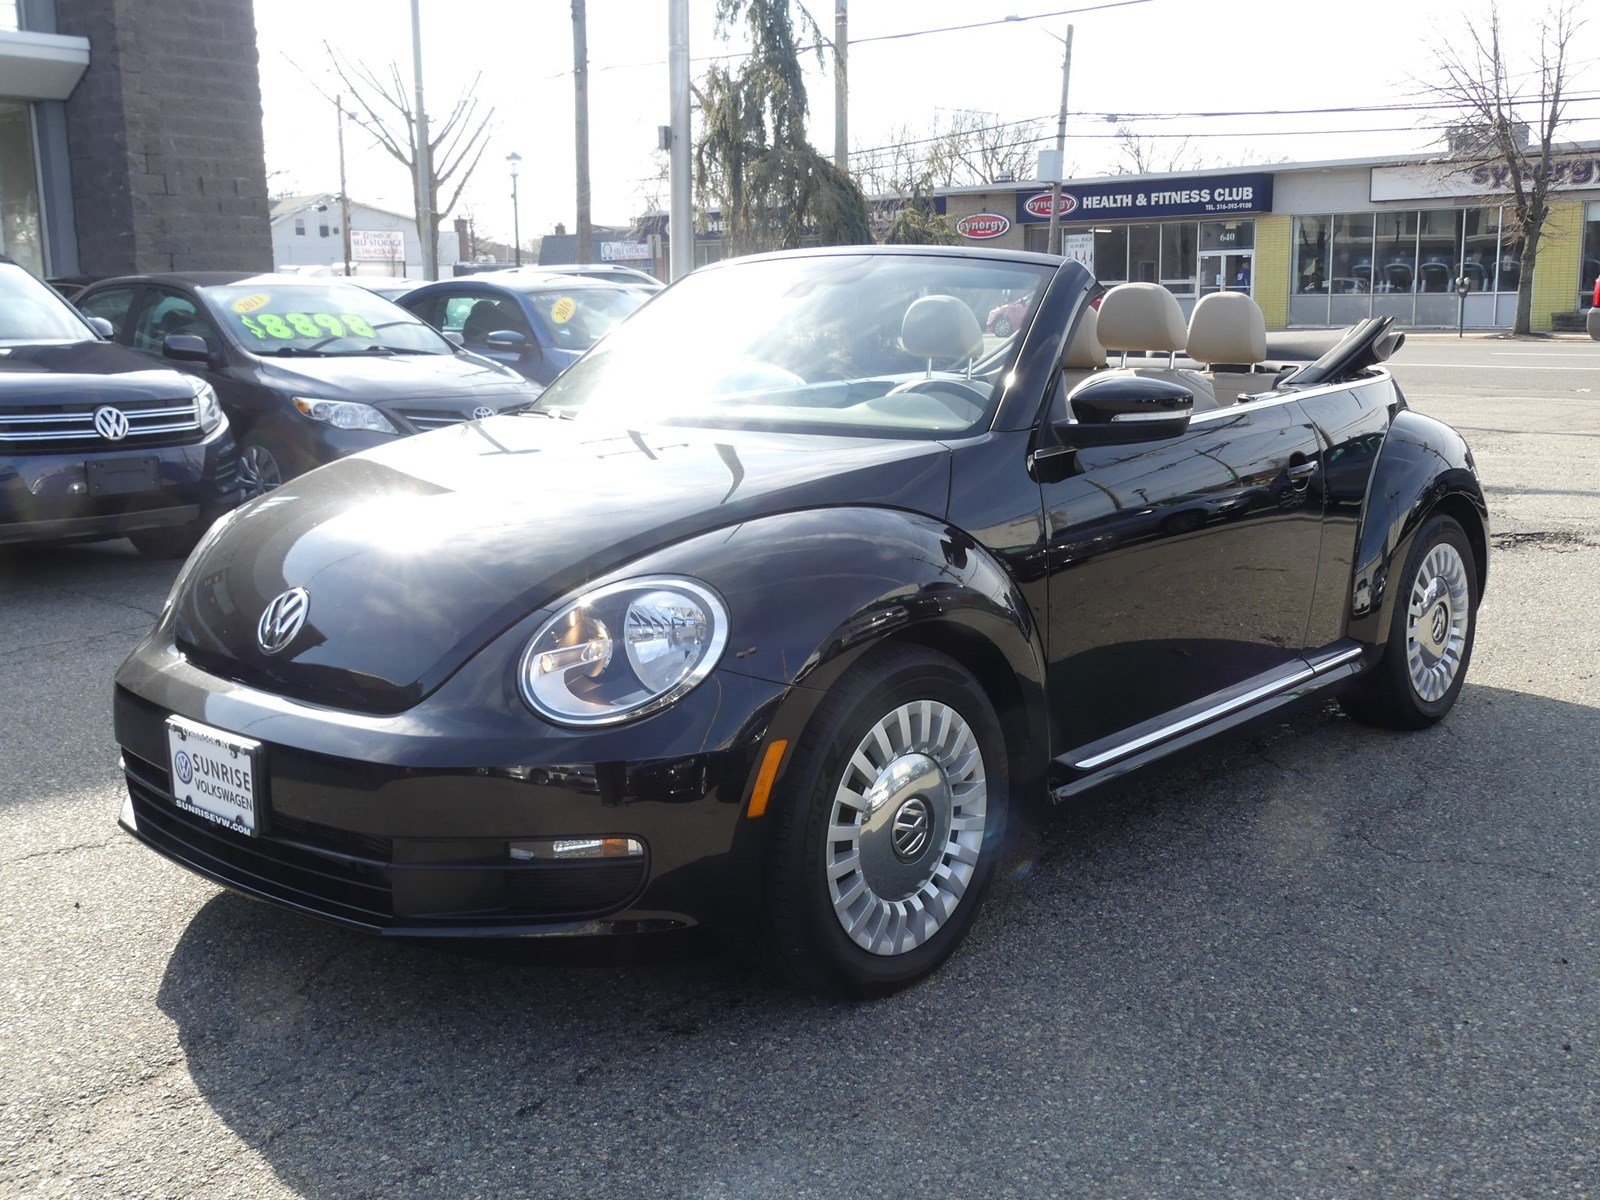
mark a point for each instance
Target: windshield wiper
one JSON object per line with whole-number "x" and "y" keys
{"x": 291, "y": 352}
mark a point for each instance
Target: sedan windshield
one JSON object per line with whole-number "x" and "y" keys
{"x": 873, "y": 344}
{"x": 30, "y": 312}
{"x": 321, "y": 319}
{"x": 579, "y": 317}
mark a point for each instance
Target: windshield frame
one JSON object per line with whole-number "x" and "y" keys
{"x": 212, "y": 296}
{"x": 1003, "y": 360}
{"x": 33, "y": 281}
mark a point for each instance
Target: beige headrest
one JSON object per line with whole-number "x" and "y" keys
{"x": 941, "y": 327}
{"x": 1227, "y": 327}
{"x": 1141, "y": 316}
{"x": 1085, "y": 353}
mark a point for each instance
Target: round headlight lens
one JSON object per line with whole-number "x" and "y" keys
{"x": 672, "y": 631}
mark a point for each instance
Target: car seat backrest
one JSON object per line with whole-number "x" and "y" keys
{"x": 1229, "y": 334}
{"x": 941, "y": 327}
{"x": 1141, "y": 316}
{"x": 482, "y": 320}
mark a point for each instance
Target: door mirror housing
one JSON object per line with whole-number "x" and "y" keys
{"x": 185, "y": 347}
{"x": 1122, "y": 410}
{"x": 507, "y": 339}
{"x": 454, "y": 337}
{"x": 102, "y": 327}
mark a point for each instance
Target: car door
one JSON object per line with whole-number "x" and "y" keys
{"x": 1178, "y": 568}
{"x": 116, "y": 303}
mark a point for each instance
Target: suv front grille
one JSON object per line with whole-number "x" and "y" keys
{"x": 56, "y": 427}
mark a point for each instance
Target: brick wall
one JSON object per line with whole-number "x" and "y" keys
{"x": 164, "y": 137}
{"x": 1272, "y": 268}
{"x": 1555, "y": 277}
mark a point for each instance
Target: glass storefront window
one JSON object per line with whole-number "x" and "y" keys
{"x": 20, "y": 232}
{"x": 1350, "y": 269}
{"x": 1311, "y": 254}
{"x": 1178, "y": 257}
{"x": 1395, "y": 267}
{"x": 1589, "y": 264}
{"x": 1144, "y": 251}
{"x": 1510, "y": 272}
{"x": 1227, "y": 235}
{"x": 1111, "y": 254}
{"x": 1437, "y": 250}
{"x": 1480, "y": 247}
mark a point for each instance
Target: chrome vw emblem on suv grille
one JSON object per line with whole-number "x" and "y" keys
{"x": 111, "y": 423}
{"x": 281, "y": 620}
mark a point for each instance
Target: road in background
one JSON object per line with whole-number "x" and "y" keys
{"x": 1313, "y": 960}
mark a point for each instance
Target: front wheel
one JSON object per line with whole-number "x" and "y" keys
{"x": 1002, "y": 327}
{"x": 259, "y": 471}
{"x": 1430, "y": 637}
{"x": 889, "y": 823}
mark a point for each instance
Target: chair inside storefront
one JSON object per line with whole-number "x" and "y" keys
{"x": 1146, "y": 318}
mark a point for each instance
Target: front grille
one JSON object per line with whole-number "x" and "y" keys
{"x": 51, "y": 428}
{"x": 358, "y": 878}
{"x": 423, "y": 419}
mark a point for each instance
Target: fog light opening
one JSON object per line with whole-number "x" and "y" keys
{"x": 569, "y": 849}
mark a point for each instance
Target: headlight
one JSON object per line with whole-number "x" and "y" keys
{"x": 342, "y": 414}
{"x": 207, "y": 540}
{"x": 205, "y": 402}
{"x": 623, "y": 650}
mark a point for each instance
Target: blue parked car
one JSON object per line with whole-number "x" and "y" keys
{"x": 537, "y": 324}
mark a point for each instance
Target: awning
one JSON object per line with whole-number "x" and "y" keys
{"x": 41, "y": 66}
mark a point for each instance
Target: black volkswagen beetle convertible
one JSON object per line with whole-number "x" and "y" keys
{"x": 785, "y": 599}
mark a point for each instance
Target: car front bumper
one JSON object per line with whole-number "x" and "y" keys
{"x": 48, "y": 497}
{"x": 405, "y": 824}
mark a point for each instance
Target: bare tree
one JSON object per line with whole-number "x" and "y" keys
{"x": 455, "y": 145}
{"x": 1141, "y": 155}
{"x": 978, "y": 147}
{"x": 1509, "y": 119}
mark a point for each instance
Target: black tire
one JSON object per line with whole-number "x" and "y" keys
{"x": 173, "y": 542}
{"x": 1386, "y": 695}
{"x": 803, "y": 935}
{"x": 1002, "y": 327}
{"x": 260, "y": 469}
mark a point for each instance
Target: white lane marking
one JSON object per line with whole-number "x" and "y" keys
{"x": 1411, "y": 362}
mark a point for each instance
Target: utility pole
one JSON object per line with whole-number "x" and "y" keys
{"x": 344, "y": 194}
{"x": 841, "y": 86}
{"x": 1054, "y": 243}
{"x": 580, "y": 85}
{"x": 680, "y": 221}
{"x": 423, "y": 157}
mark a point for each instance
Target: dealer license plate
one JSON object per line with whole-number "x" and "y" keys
{"x": 214, "y": 774}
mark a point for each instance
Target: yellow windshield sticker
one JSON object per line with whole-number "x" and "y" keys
{"x": 249, "y": 304}
{"x": 563, "y": 310}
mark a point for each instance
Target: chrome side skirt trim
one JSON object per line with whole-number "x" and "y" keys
{"x": 1285, "y": 683}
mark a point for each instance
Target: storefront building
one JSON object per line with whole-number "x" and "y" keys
{"x": 1317, "y": 244}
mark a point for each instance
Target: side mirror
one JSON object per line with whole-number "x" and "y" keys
{"x": 454, "y": 338}
{"x": 102, "y": 327}
{"x": 507, "y": 339}
{"x": 185, "y": 347}
{"x": 1121, "y": 410}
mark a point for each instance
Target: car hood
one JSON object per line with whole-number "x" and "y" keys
{"x": 418, "y": 553}
{"x": 84, "y": 372}
{"x": 381, "y": 378}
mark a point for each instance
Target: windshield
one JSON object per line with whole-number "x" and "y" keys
{"x": 321, "y": 319}
{"x": 30, "y": 312}
{"x": 873, "y": 344}
{"x": 577, "y": 318}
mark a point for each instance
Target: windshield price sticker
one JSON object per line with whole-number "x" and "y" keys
{"x": 562, "y": 312}
{"x": 287, "y": 326}
{"x": 249, "y": 304}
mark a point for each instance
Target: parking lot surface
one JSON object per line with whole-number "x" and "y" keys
{"x": 1312, "y": 960}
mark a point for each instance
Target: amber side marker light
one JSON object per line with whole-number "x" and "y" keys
{"x": 770, "y": 762}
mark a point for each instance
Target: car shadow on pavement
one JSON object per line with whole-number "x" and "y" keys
{"x": 1313, "y": 956}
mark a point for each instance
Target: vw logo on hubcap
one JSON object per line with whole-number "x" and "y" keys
{"x": 909, "y": 834}
{"x": 282, "y": 619}
{"x": 482, "y": 413}
{"x": 1440, "y": 624}
{"x": 111, "y": 423}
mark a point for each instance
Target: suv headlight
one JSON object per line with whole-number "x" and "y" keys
{"x": 342, "y": 414}
{"x": 205, "y": 402}
{"x": 623, "y": 650}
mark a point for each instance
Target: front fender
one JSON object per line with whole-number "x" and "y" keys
{"x": 1424, "y": 464}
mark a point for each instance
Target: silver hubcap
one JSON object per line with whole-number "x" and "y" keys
{"x": 259, "y": 470}
{"x": 906, "y": 828}
{"x": 1436, "y": 621}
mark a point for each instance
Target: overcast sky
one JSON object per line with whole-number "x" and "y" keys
{"x": 1160, "y": 56}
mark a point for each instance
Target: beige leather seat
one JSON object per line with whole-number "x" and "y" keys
{"x": 1085, "y": 354}
{"x": 1228, "y": 333}
{"x": 1147, "y": 317}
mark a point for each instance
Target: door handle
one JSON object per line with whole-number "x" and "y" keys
{"x": 1302, "y": 471}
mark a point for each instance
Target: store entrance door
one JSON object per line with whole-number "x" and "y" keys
{"x": 1227, "y": 271}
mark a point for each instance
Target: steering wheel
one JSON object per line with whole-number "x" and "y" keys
{"x": 962, "y": 391}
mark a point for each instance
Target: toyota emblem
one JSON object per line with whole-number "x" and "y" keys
{"x": 111, "y": 423}
{"x": 482, "y": 413}
{"x": 282, "y": 619}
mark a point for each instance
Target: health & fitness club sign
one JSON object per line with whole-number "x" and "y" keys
{"x": 1207, "y": 196}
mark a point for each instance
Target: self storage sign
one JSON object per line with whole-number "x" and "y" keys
{"x": 1199, "y": 197}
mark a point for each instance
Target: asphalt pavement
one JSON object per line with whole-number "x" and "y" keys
{"x": 1313, "y": 960}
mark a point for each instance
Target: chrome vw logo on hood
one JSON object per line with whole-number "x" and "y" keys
{"x": 282, "y": 619}
{"x": 482, "y": 413}
{"x": 111, "y": 423}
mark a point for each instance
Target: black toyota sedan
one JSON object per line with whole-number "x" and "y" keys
{"x": 98, "y": 442}
{"x": 778, "y": 630}
{"x": 307, "y": 369}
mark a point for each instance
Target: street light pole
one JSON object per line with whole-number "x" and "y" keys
{"x": 423, "y": 158}
{"x": 680, "y": 222}
{"x": 344, "y": 194}
{"x": 841, "y": 85}
{"x": 515, "y": 160}
{"x": 1054, "y": 243}
{"x": 580, "y": 86}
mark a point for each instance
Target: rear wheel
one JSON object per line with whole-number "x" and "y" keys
{"x": 1430, "y": 636}
{"x": 1002, "y": 327}
{"x": 889, "y": 824}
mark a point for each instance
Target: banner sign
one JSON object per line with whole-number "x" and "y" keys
{"x": 623, "y": 251}
{"x": 1137, "y": 199}
{"x": 377, "y": 245}
{"x": 1434, "y": 181}
{"x": 1079, "y": 248}
{"x": 980, "y": 227}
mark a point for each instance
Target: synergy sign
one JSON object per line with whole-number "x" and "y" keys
{"x": 980, "y": 227}
{"x": 1205, "y": 196}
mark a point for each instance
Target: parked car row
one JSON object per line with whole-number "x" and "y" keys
{"x": 151, "y": 403}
